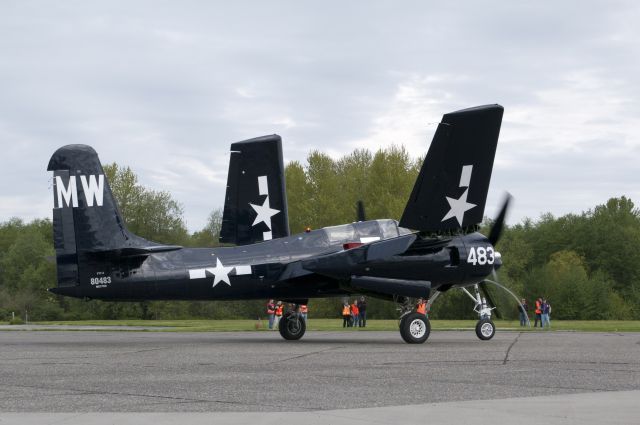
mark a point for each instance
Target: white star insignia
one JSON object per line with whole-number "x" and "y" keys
{"x": 458, "y": 207}
{"x": 220, "y": 273}
{"x": 264, "y": 213}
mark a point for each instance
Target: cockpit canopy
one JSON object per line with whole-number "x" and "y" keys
{"x": 362, "y": 231}
{"x": 332, "y": 239}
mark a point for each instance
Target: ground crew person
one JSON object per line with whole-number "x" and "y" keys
{"x": 271, "y": 313}
{"x": 546, "y": 311}
{"x": 523, "y": 308}
{"x": 346, "y": 315}
{"x": 303, "y": 311}
{"x": 355, "y": 313}
{"x": 362, "y": 306}
{"x": 279, "y": 308}
{"x": 421, "y": 307}
{"x": 538, "y": 312}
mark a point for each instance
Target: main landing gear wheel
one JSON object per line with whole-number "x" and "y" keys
{"x": 292, "y": 326}
{"x": 485, "y": 329}
{"x": 415, "y": 328}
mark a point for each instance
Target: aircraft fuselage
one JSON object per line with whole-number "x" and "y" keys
{"x": 274, "y": 269}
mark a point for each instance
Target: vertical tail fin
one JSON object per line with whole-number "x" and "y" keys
{"x": 86, "y": 219}
{"x": 451, "y": 190}
{"x": 255, "y": 206}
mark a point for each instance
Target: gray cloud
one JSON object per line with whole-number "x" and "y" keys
{"x": 165, "y": 87}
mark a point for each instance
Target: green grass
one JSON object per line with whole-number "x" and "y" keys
{"x": 336, "y": 325}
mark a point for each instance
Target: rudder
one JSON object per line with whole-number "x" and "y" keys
{"x": 86, "y": 219}
{"x": 451, "y": 190}
{"x": 255, "y": 206}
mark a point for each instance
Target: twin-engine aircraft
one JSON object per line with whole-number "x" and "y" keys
{"x": 434, "y": 247}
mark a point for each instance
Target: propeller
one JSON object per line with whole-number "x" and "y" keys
{"x": 498, "y": 225}
{"x": 494, "y": 236}
{"x": 360, "y": 211}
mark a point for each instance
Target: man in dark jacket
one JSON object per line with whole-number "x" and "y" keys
{"x": 362, "y": 308}
{"x": 523, "y": 309}
{"x": 546, "y": 311}
{"x": 271, "y": 313}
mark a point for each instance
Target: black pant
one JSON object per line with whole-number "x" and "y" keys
{"x": 538, "y": 318}
{"x": 345, "y": 321}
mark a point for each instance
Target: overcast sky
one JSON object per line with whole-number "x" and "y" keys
{"x": 165, "y": 87}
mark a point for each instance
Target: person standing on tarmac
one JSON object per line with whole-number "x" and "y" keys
{"x": 421, "y": 307}
{"x": 538, "y": 312}
{"x": 523, "y": 308}
{"x": 355, "y": 313}
{"x": 546, "y": 310}
{"x": 279, "y": 308}
{"x": 271, "y": 313}
{"x": 362, "y": 307}
{"x": 346, "y": 315}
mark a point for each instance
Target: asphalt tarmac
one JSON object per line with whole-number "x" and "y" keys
{"x": 103, "y": 371}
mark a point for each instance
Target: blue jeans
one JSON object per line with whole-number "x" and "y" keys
{"x": 523, "y": 319}
{"x": 304, "y": 316}
{"x": 271, "y": 319}
{"x": 356, "y": 320}
{"x": 545, "y": 319}
{"x": 363, "y": 319}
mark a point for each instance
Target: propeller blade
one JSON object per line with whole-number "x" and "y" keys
{"x": 498, "y": 225}
{"x": 487, "y": 295}
{"x": 360, "y": 211}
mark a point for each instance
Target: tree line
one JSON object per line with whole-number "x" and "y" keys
{"x": 587, "y": 265}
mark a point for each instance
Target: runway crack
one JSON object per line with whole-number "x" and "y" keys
{"x": 506, "y": 356}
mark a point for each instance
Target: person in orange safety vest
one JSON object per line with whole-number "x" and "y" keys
{"x": 355, "y": 314}
{"x": 421, "y": 307}
{"x": 346, "y": 315}
{"x": 538, "y": 312}
{"x": 279, "y": 308}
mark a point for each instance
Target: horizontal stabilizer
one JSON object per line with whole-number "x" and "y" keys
{"x": 138, "y": 251}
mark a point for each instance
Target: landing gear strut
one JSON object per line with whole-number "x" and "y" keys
{"x": 414, "y": 327}
{"x": 485, "y": 328}
{"x": 292, "y": 326}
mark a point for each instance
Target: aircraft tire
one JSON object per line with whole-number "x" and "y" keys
{"x": 485, "y": 329}
{"x": 415, "y": 328}
{"x": 292, "y": 327}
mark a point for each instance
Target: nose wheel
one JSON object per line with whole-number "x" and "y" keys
{"x": 485, "y": 329}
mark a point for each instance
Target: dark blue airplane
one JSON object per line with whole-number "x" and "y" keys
{"x": 435, "y": 246}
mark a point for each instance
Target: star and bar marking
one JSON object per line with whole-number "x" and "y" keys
{"x": 264, "y": 212}
{"x": 220, "y": 272}
{"x": 459, "y": 206}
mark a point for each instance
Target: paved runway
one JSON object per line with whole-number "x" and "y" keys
{"x": 611, "y": 408}
{"x": 258, "y": 371}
